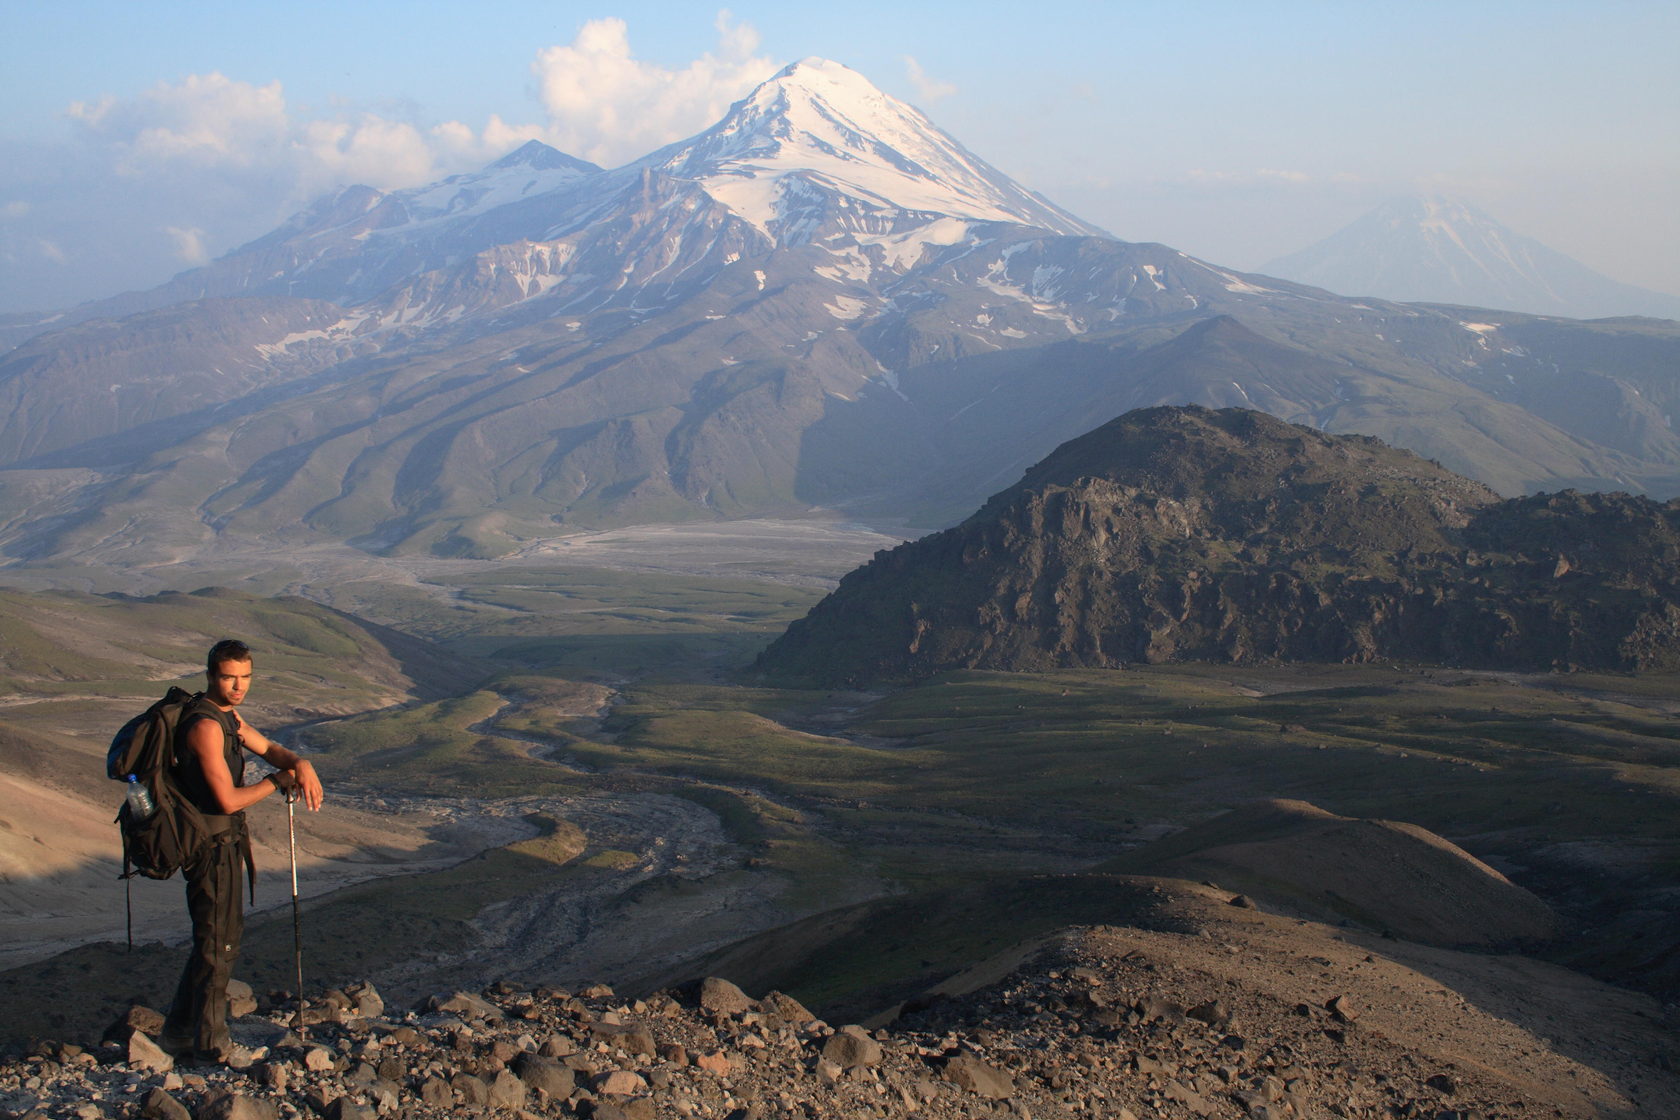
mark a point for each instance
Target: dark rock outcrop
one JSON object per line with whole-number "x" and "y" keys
{"x": 1176, "y": 534}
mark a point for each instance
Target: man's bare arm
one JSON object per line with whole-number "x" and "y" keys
{"x": 204, "y": 739}
{"x": 308, "y": 782}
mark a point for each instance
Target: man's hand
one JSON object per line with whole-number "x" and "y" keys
{"x": 300, "y": 783}
{"x": 309, "y": 785}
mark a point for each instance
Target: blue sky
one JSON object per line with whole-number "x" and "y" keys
{"x": 141, "y": 138}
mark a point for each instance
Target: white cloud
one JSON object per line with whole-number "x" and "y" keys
{"x": 607, "y": 106}
{"x": 189, "y": 244}
{"x": 213, "y": 123}
{"x": 207, "y": 119}
{"x": 601, "y": 103}
{"x": 927, "y": 89}
{"x": 458, "y": 146}
{"x": 184, "y": 171}
{"x": 369, "y": 150}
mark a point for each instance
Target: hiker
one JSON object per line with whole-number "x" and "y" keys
{"x": 211, "y": 775}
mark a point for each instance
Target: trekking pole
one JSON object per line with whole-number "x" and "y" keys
{"x": 297, "y": 920}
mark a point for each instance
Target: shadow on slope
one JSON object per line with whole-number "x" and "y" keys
{"x": 1389, "y": 876}
{"x": 1394, "y": 878}
{"x": 852, "y": 963}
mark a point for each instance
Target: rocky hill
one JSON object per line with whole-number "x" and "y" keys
{"x": 1239, "y": 1015}
{"x": 1190, "y": 534}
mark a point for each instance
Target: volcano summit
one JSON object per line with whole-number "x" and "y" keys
{"x": 821, "y": 303}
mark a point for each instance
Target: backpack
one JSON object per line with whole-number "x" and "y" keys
{"x": 161, "y": 842}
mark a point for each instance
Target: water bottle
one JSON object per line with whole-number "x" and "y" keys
{"x": 140, "y": 804}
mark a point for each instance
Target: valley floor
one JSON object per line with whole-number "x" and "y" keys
{"x": 591, "y": 791}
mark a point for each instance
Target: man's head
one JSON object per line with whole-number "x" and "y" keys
{"x": 228, "y": 672}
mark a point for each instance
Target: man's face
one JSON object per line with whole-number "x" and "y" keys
{"x": 229, "y": 682}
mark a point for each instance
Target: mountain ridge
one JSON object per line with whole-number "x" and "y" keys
{"x": 544, "y": 346}
{"x": 1183, "y": 533}
{"x": 1442, "y": 250}
{"x": 819, "y": 120}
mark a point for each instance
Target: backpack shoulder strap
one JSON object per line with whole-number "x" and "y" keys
{"x": 201, "y": 707}
{"x": 199, "y": 704}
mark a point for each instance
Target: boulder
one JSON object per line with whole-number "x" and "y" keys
{"x": 637, "y": 1041}
{"x": 436, "y": 1093}
{"x": 387, "y": 1095}
{"x": 466, "y": 1005}
{"x": 978, "y": 1077}
{"x": 241, "y": 1000}
{"x": 851, "y": 1047}
{"x": 720, "y": 997}
{"x": 1188, "y": 1097}
{"x": 1214, "y": 1013}
{"x": 508, "y": 1091}
{"x": 618, "y": 1083}
{"x": 159, "y": 1105}
{"x": 637, "y": 1108}
{"x": 783, "y": 1007}
{"x": 472, "y": 1090}
{"x": 557, "y": 1046}
{"x": 273, "y": 1075}
{"x": 228, "y": 1105}
{"x": 545, "y": 1075}
{"x": 343, "y": 1108}
{"x": 138, "y": 1017}
{"x": 142, "y": 1053}
{"x": 369, "y": 1004}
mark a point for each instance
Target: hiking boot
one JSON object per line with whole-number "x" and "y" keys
{"x": 177, "y": 1046}
{"x": 232, "y": 1055}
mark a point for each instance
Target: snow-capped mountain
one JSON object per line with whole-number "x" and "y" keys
{"x": 358, "y": 243}
{"x": 814, "y": 151}
{"x": 1442, "y": 250}
{"x": 531, "y": 170}
{"x": 355, "y": 243}
{"x": 818, "y": 131}
{"x": 821, "y": 301}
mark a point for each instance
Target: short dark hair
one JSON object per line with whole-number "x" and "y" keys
{"x": 228, "y": 649}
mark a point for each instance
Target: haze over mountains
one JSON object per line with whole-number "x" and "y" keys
{"x": 822, "y": 301}
{"x": 1442, "y": 250}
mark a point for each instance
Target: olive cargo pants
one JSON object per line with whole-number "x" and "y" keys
{"x": 198, "y": 1017}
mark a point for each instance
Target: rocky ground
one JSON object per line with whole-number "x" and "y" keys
{"x": 1242, "y": 1018}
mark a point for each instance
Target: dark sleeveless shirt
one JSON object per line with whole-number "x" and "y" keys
{"x": 189, "y": 775}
